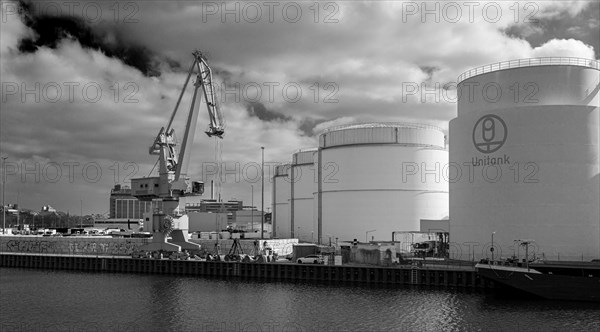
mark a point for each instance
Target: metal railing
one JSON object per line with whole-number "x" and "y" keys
{"x": 381, "y": 125}
{"x": 548, "y": 61}
{"x": 306, "y": 150}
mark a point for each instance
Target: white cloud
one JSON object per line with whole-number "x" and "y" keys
{"x": 564, "y": 48}
{"x": 549, "y": 9}
{"x": 12, "y": 29}
{"x": 333, "y": 123}
{"x": 367, "y": 55}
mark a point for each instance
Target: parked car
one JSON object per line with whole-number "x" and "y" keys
{"x": 184, "y": 256}
{"x": 311, "y": 259}
{"x": 141, "y": 254}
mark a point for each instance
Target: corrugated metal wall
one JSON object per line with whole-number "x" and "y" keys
{"x": 303, "y": 157}
{"x": 282, "y": 170}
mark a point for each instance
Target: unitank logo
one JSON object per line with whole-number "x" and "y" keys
{"x": 489, "y": 133}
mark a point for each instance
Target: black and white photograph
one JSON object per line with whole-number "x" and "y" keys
{"x": 311, "y": 165}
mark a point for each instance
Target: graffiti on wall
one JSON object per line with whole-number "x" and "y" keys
{"x": 31, "y": 246}
{"x": 73, "y": 247}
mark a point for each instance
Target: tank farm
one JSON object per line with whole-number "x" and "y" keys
{"x": 523, "y": 166}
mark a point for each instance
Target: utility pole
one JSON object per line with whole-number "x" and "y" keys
{"x": 18, "y": 211}
{"x": 3, "y": 194}
{"x": 492, "y": 248}
{"x": 262, "y": 198}
{"x": 252, "y": 207}
{"x": 81, "y": 213}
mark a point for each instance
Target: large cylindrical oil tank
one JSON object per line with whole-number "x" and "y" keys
{"x": 378, "y": 178}
{"x": 281, "y": 202}
{"x": 524, "y": 157}
{"x": 302, "y": 175}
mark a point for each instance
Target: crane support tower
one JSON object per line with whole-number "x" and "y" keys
{"x": 172, "y": 181}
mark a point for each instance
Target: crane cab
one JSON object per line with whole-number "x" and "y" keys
{"x": 149, "y": 188}
{"x": 146, "y": 189}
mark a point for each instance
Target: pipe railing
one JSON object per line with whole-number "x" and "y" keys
{"x": 547, "y": 61}
{"x": 380, "y": 125}
{"x": 306, "y": 150}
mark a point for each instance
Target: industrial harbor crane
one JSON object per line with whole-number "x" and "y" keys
{"x": 172, "y": 181}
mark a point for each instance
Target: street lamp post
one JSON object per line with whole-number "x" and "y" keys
{"x": 18, "y": 211}
{"x": 262, "y": 195}
{"x": 252, "y": 208}
{"x": 81, "y": 213}
{"x": 3, "y": 194}
{"x": 492, "y": 248}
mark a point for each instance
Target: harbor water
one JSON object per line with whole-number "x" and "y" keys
{"x": 42, "y": 300}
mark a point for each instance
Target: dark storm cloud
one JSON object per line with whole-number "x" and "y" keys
{"x": 307, "y": 126}
{"x": 225, "y": 75}
{"x": 429, "y": 70}
{"x": 50, "y": 30}
{"x": 259, "y": 110}
{"x": 584, "y": 26}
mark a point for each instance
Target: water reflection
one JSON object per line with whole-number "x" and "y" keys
{"x": 60, "y": 300}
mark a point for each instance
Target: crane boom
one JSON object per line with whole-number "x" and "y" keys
{"x": 216, "y": 127}
{"x": 173, "y": 181}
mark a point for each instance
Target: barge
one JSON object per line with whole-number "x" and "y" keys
{"x": 571, "y": 281}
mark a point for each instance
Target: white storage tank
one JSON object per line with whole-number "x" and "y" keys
{"x": 378, "y": 178}
{"x": 281, "y": 202}
{"x": 525, "y": 155}
{"x": 303, "y": 176}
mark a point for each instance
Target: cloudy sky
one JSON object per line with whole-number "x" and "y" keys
{"x": 86, "y": 86}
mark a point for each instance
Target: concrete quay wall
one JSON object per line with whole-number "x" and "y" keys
{"x": 107, "y": 246}
{"x": 72, "y": 245}
{"x": 439, "y": 276}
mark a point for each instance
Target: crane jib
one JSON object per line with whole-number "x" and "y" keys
{"x": 173, "y": 181}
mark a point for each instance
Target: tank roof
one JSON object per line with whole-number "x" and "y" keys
{"x": 530, "y": 62}
{"x": 381, "y": 125}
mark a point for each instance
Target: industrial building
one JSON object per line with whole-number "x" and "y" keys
{"x": 364, "y": 181}
{"x": 208, "y": 214}
{"x": 211, "y": 215}
{"x": 124, "y": 206}
{"x": 250, "y": 220}
{"x": 524, "y": 157}
{"x": 212, "y": 205}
